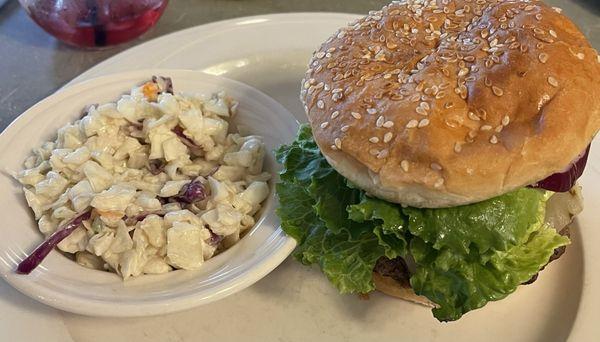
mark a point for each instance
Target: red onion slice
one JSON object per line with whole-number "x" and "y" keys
{"x": 41, "y": 251}
{"x": 564, "y": 181}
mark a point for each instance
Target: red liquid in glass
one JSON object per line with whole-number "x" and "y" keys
{"x": 96, "y": 23}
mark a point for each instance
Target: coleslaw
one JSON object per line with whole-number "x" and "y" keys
{"x": 157, "y": 181}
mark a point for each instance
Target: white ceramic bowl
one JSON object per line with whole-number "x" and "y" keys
{"x": 63, "y": 284}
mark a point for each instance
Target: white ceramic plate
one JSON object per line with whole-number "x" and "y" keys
{"x": 296, "y": 303}
{"x": 63, "y": 284}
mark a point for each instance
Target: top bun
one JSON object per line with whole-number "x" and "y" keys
{"x": 449, "y": 102}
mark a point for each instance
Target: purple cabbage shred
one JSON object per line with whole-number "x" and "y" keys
{"x": 192, "y": 192}
{"x": 214, "y": 238}
{"x": 184, "y": 139}
{"x": 42, "y": 250}
{"x": 156, "y": 166}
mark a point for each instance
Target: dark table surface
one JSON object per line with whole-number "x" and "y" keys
{"x": 33, "y": 64}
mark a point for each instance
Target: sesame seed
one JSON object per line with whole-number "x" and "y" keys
{"x": 497, "y": 91}
{"x": 325, "y": 124}
{"x": 388, "y": 124}
{"x": 457, "y": 147}
{"x": 543, "y": 57}
{"x": 553, "y": 82}
{"x": 523, "y": 48}
{"x": 412, "y": 124}
{"x": 449, "y": 105}
{"x": 494, "y": 139}
{"x": 373, "y": 151}
{"x": 421, "y": 111}
{"x": 462, "y": 72}
{"x": 383, "y": 153}
{"x": 333, "y": 147}
{"x": 345, "y": 128}
{"x": 380, "y": 121}
{"x": 505, "y": 120}
{"x": 424, "y": 105}
{"x": 436, "y": 166}
{"x": 320, "y": 104}
{"x": 371, "y": 111}
{"x": 335, "y": 114}
{"x": 438, "y": 183}
{"x": 423, "y": 123}
{"x": 580, "y": 56}
{"x": 483, "y": 113}
{"x": 404, "y": 165}
{"x": 498, "y": 128}
{"x": 356, "y": 115}
{"x": 552, "y": 33}
{"x": 320, "y": 54}
{"x": 388, "y": 137}
{"x": 473, "y": 117}
{"x": 486, "y": 128}
{"x": 557, "y": 9}
{"x": 374, "y": 140}
{"x": 338, "y": 143}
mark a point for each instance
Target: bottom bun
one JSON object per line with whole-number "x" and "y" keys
{"x": 394, "y": 288}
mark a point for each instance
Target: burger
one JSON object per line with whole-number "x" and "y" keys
{"x": 444, "y": 143}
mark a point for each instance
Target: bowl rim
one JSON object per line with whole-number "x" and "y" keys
{"x": 92, "y": 307}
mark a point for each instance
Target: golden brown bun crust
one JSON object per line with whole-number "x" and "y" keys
{"x": 393, "y": 288}
{"x": 502, "y": 93}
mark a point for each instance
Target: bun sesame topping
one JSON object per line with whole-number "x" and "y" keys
{"x": 495, "y": 94}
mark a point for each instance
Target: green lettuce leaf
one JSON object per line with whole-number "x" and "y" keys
{"x": 460, "y": 283}
{"x": 390, "y": 223}
{"x": 313, "y": 210}
{"x": 469, "y": 255}
{"x": 296, "y": 209}
{"x": 465, "y": 256}
{"x": 347, "y": 262}
{"x": 497, "y": 223}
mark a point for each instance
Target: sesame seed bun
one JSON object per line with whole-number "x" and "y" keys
{"x": 438, "y": 106}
